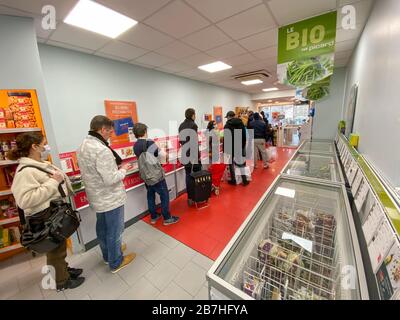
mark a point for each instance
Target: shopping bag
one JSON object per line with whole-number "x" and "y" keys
{"x": 272, "y": 154}
{"x": 244, "y": 171}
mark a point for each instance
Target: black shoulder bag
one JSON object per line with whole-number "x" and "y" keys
{"x": 46, "y": 230}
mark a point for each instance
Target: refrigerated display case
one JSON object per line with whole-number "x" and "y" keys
{"x": 298, "y": 243}
{"x": 317, "y": 146}
{"x": 314, "y": 167}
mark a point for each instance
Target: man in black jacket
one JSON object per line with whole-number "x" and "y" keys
{"x": 189, "y": 142}
{"x": 260, "y": 138}
{"x": 235, "y": 129}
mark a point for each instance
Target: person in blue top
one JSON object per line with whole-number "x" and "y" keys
{"x": 144, "y": 145}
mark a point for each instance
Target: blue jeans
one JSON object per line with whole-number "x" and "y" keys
{"x": 162, "y": 189}
{"x": 109, "y": 229}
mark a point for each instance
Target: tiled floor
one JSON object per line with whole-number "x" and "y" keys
{"x": 163, "y": 269}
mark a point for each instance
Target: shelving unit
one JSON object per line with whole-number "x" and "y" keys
{"x": 19, "y": 130}
{"x": 21, "y": 113}
{"x": 8, "y": 221}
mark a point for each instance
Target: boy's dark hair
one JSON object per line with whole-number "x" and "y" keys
{"x": 98, "y": 122}
{"x": 189, "y": 113}
{"x": 139, "y": 130}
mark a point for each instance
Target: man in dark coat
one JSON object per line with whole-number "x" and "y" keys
{"x": 235, "y": 129}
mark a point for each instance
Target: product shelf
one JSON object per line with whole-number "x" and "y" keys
{"x": 19, "y": 130}
{"x": 7, "y": 162}
{"x": 11, "y": 248}
{"x": 5, "y": 192}
{"x": 9, "y": 220}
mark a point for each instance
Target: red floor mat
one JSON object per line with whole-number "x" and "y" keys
{"x": 209, "y": 230}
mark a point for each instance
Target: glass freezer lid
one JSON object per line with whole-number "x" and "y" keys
{"x": 318, "y": 146}
{"x": 295, "y": 246}
{"x": 316, "y": 166}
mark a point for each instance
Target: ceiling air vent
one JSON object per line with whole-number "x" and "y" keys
{"x": 259, "y": 74}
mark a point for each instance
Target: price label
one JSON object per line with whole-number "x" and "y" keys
{"x": 80, "y": 200}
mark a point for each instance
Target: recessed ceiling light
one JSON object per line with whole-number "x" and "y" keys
{"x": 270, "y": 89}
{"x": 215, "y": 67}
{"x": 252, "y": 82}
{"x": 97, "y": 18}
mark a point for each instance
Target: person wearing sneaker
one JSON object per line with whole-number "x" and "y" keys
{"x": 103, "y": 174}
{"x": 33, "y": 191}
{"x": 160, "y": 186}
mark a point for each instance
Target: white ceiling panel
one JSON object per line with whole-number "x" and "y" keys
{"x": 199, "y": 59}
{"x": 196, "y": 74}
{"x": 240, "y": 60}
{"x": 175, "y": 67}
{"x": 261, "y": 40}
{"x": 341, "y": 62}
{"x": 78, "y": 37}
{"x": 63, "y": 7}
{"x": 145, "y": 37}
{"x": 346, "y": 45}
{"x": 122, "y": 50}
{"x": 141, "y": 64}
{"x": 154, "y": 59}
{"x": 110, "y": 56}
{"x": 267, "y": 53}
{"x": 289, "y": 11}
{"x": 135, "y": 9}
{"x": 68, "y": 46}
{"x": 248, "y": 23}
{"x": 226, "y": 51}
{"x": 177, "y": 50}
{"x": 343, "y": 55}
{"x": 177, "y": 19}
{"x": 267, "y": 64}
{"x": 344, "y": 35}
{"x": 216, "y": 10}
{"x": 207, "y": 38}
{"x": 14, "y": 12}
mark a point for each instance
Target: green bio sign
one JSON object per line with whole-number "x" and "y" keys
{"x": 309, "y": 38}
{"x": 307, "y": 54}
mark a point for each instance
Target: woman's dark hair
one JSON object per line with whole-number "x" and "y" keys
{"x": 98, "y": 122}
{"x": 24, "y": 145}
{"x": 189, "y": 113}
{"x": 139, "y": 130}
{"x": 211, "y": 125}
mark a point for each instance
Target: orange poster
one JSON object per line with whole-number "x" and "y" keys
{"x": 124, "y": 115}
{"x": 218, "y": 117}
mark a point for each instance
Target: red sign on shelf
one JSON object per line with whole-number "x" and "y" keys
{"x": 132, "y": 180}
{"x": 81, "y": 200}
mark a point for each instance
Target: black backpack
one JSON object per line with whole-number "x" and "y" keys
{"x": 46, "y": 230}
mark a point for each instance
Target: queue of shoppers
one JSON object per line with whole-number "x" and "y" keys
{"x": 103, "y": 173}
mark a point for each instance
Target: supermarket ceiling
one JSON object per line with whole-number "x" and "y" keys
{"x": 177, "y": 36}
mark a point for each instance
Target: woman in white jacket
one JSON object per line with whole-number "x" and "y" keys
{"x": 33, "y": 191}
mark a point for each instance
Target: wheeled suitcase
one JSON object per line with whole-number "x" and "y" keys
{"x": 199, "y": 186}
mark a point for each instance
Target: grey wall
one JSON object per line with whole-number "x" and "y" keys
{"x": 77, "y": 85}
{"x": 328, "y": 111}
{"x": 375, "y": 66}
{"x": 20, "y": 66}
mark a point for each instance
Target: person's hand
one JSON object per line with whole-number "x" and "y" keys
{"x": 58, "y": 176}
{"x": 127, "y": 166}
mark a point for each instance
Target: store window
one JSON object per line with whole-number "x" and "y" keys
{"x": 287, "y": 114}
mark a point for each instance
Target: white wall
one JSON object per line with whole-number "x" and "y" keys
{"x": 375, "y": 66}
{"x": 77, "y": 85}
{"x": 328, "y": 111}
{"x": 20, "y": 66}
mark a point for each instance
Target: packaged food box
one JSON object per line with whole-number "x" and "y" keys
{"x": 2, "y": 114}
{"x": 10, "y": 124}
{"x": 3, "y": 124}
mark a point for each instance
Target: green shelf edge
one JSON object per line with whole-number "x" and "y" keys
{"x": 390, "y": 207}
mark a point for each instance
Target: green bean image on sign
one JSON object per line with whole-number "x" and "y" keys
{"x": 305, "y": 72}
